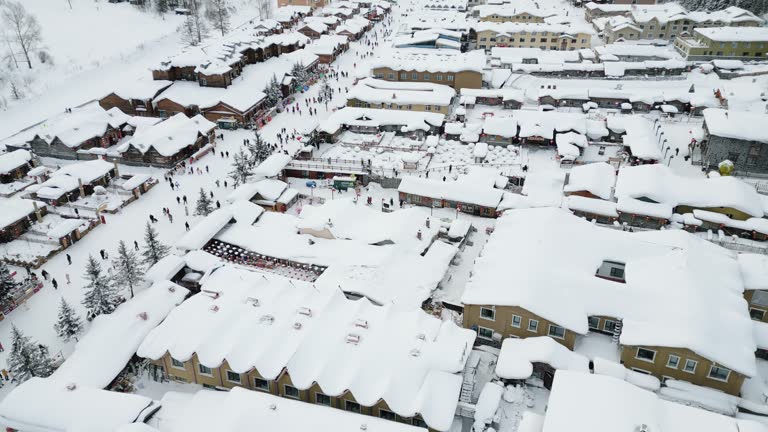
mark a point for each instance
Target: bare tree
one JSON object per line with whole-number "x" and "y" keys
{"x": 21, "y": 28}
{"x": 218, "y": 14}
{"x": 265, "y": 9}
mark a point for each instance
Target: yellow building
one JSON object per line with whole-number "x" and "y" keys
{"x": 544, "y": 36}
{"x": 507, "y": 13}
{"x": 742, "y": 43}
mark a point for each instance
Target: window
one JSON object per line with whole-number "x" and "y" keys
{"x": 485, "y": 333}
{"x": 419, "y": 422}
{"x": 516, "y": 321}
{"x": 439, "y": 77}
{"x": 756, "y": 314}
{"x": 428, "y": 107}
{"x": 556, "y": 331}
{"x": 414, "y": 76}
{"x": 233, "y": 377}
{"x": 673, "y": 361}
{"x": 450, "y": 77}
{"x": 403, "y": 76}
{"x": 719, "y": 373}
{"x": 260, "y": 384}
{"x": 617, "y": 273}
{"x": 594, "y": 322}
{"x": 291, "y": 391}
{"x": 690, "y": 366}
{"x": 177, "y": 364}
{"x": 426, "y": 77}
{"x": 204, "y": 370}
{"x": 322, "y": 399}
{"x": 162, "y": 113}
{"x": 533, "y": 325}
{"x": 203, "y": 82}
{"x": 352, "y": 406}
{"x": 391, "y": 76}
{"x": 488, "y": 314}
{"x": 733, "y": 157}
{"x": 645, "y": 354}
{"x": 387, "y": 415}
{"x": 380, "y": 75}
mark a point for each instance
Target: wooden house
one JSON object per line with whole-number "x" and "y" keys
{"x": 135, "y": 99}
{"x": 15, "y": 165}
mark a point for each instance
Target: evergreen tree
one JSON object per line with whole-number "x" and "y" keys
{"x": 273, "y": 91}
{"x": 154, "y": 250}
{"x": 259, "y": 150}
{"x": 241, "y": 168}
{"x": 194, "y": 29}
{"x": 100, "y": 297}
{"x": 161, "y": 6}
{"x": 218, "y": 14}
{"x": 299, "y": 74}
{"x": 69, "y": 325}
{"x": 204, "y": 206}
{"x": 28, "y": 359}
{"x": 128, "y": 266}
{"x": 7, "y": 286}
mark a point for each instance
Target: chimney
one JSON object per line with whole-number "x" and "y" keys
{"x": 117, "y": 171}
{"x": 80, "y": 186}
{"x": 38, "y": 213}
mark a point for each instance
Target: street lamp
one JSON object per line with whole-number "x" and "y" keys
{"x": 669, "y": 162}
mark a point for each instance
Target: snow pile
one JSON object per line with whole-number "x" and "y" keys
{"x": 400, "y": 355}
{"x": 754, "y": 270}
{"x": 655, "y": 190}
{"x": 47, "y": 404}
{"x": 553, "y": 254}
{"x": 97, "y": 360}
{"x": 238, "y": 410}
{"x": 518, "y": 355}
{"x": 704, "y": 397}
{"x": 487, "y": 404}
{"x": 595, "y": 178}
{"x": 617, "y": 370}
{"x": 625, "y": 407}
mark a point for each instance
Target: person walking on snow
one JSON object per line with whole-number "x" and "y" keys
{"x": 69, "y": 259}
{"x": 55, "y": 284}
{"x": 45, "y": 274}
{"x": 186, "y": 225}
{"x": 66, "y": 276}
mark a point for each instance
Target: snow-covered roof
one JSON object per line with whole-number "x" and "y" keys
{"x": 734, "y": 34}
{"x": 240, "y": 97}
{"x": 378, "y": 91}
{"x": 306, "y": 332}
{"x": 735, "y": 124}
{"x": 461, "y": 191}
{"x": 662, "y": 13}
{"x": 12, "y": 160}
{"x": 509, "y": 55}
{"x": 729, "y": 15}
{"x": 74, "y": 128}
{"x": 596, "y": 178}
{"x": 239, "y": 409}
{"x": 506, "y": 94}
{"x": 509, "y": 28}
{"x": 636, "y": 50}
{"x": 15, "y": 209}
{"x": 46, "y": 404}
{"x": 170, "y": 136}
{"x": 754, "y": 269}
{"x": 639, "y": 136}
{"x": 591, "y": 205}
{"x": 433, "y": 61}
{"x": 141, "y": 89}
{"x": 673, "y": 278}
{"x": 327, "y": 44}
{"x": 96, "y": 360}
{"x": 667, "y": 190}
{"x": 409, "y": 120}
{"x": 273, "y": 165}
{"x": 66, "y": 178}
{"x": 626, "y": 407}
{"x": 518, "y": 355}
{"x": 242, "y": 212}
{"x": 506, "y": 11}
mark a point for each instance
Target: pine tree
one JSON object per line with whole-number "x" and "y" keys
{"x": 241, "y": 168}
{"x": 218, "y": 14}
{"x": 194, "y": 29}
{"x": 204, "y": 205}
{"x": 299, "y": 74}
{"x": 7, "y": 286}
{"x": 259, "y": 150}
{"x": 69, "y": 325}
{"x": 28, "y": 359}
{"x": 154, "y": 250}
{"x": 273, "y": 91}
{"x": 161, "y": 6}
{"x": 128, "y": 266}
{"x": 100, "y": 297}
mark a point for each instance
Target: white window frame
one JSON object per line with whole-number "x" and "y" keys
{"x": 173, "y": 365}
{"x": 695, "y": 366}
{"x": 677, "y": 366}
{"x": 493, "y": 318}
{"x": 519, "y": 321}
{"x": 637, "y": 355}
{"x": 285, "y": 392}
{"x": 709, "y": 374}
{"x": 483, "y": 337}
{"x": 239, "y": 377}
{"x": 256, "y": 387}
{"x": 200, "y": 371}
{"x": 535, "y": 330}
{"x": 549, "y": 331}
